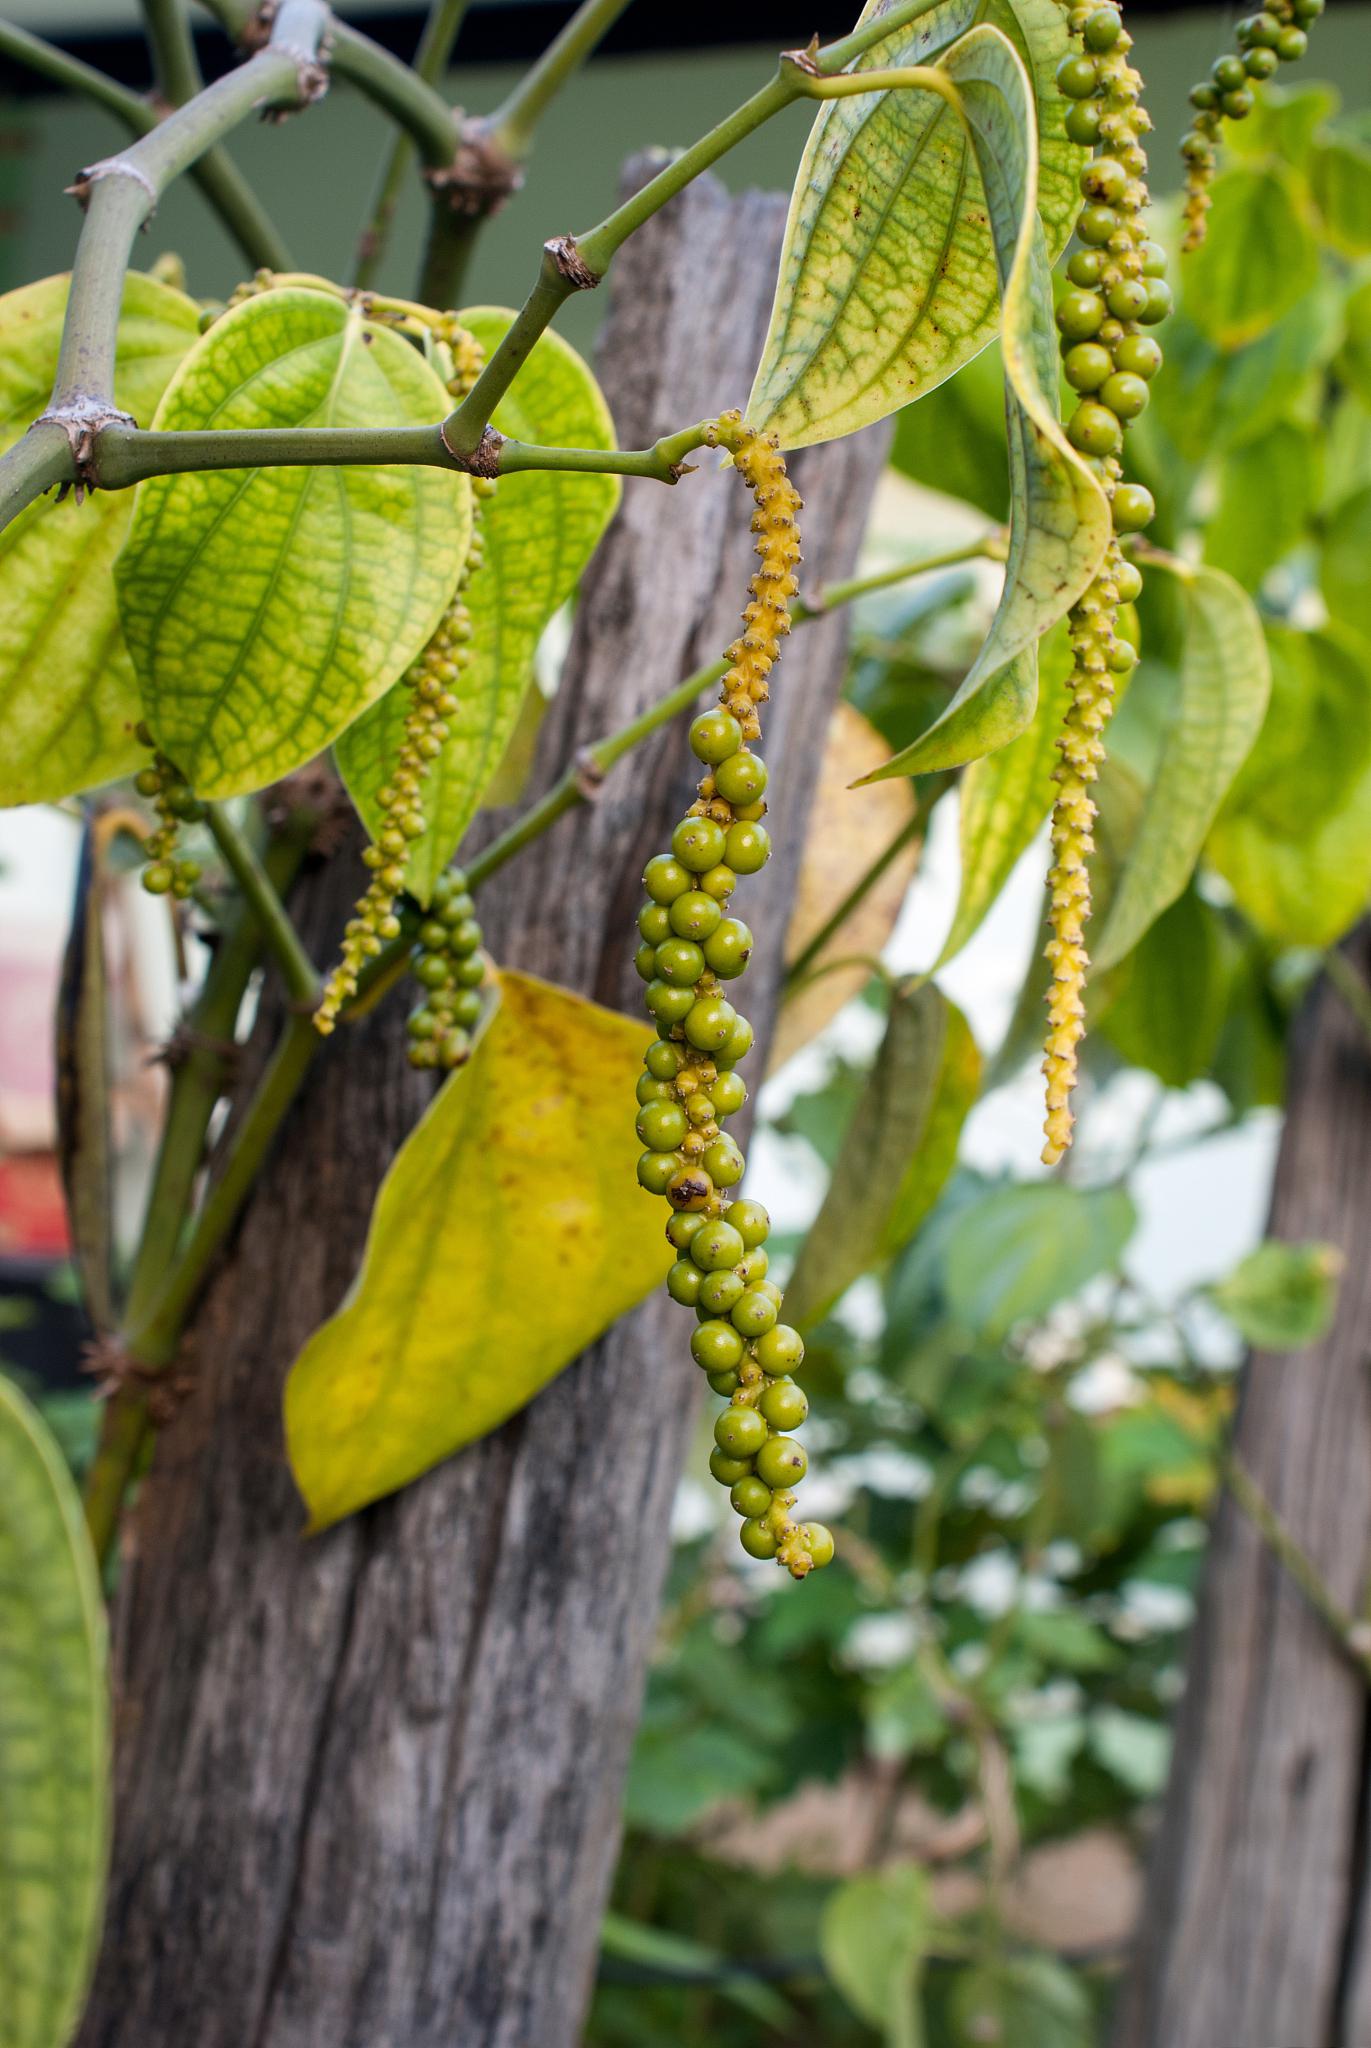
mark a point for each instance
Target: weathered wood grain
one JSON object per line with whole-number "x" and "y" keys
{"x": 368, "y": 1785}
{"x": 1255, "y": 1930}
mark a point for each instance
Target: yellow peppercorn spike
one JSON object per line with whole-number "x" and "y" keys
{"x": 432, "y": 681}
{"x": 688, "y": 1157}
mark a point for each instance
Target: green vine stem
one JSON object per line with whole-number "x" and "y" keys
{"x": 227, "y": 191}
{"x": 1351, "y": 1636}
{"x": 800, "y": 969}
{"x": 511, "y": 126}
{"x": 431, "y": 59}
{"x": 263, "y": 900}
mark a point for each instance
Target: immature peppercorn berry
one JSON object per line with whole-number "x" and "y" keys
{"x": 1265, "y": 41}
{"x": 176, "y": 805}
{"x": 688, "y": 946}
{"x": 448, "y": 967}
{"x": 1110, "y": 360}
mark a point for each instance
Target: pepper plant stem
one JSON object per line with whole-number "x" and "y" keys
{"x": 264, "y": 901}
{"x": 512, "y": 124}
{"x": 431, "y": 59}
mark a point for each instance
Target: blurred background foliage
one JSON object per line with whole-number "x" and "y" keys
{"x": 911, "y": 1804}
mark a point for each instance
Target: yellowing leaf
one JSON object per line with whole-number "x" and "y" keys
{"x": 1059, "y": 522}
{"x": 54, "y": 1736}
{"x": 1004, "y": 800}
{"x": 1225, "y": 682}
{"x": 898, "y": 1150}
{"x": 265, "y": 609}
{"x": 850, "y": 829}
{"x": 888, "y": 279}
{"x": 68, "y": 698}
{"x": 507, "y": 1235}
{"x": 539, "y": 529}
{"x": 1293, "y": 840}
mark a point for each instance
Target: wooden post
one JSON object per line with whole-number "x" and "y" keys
{"x": 369, "y": 1785}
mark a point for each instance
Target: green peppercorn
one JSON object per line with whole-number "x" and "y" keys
{"x": 654, "y": 922}
{"x": 781, "y": 1462}
{"x": 661, "y": 1125}
{"x": 1260, "y": 63}
{"x": 709, "y": 1023}
{"x": 683, "y": 1283}
{"x": 720, "y": 1292}
{"x": 1227, "y": 73}
{"x": 1104, "y": 179}
{"x": 1122, "y": 658}
{"x": 1096, "y": 224}
{"x": 724, "y": 1163}
{"x": 645, "y": 962}
{"x": 1077, "y": 77}
{"x": 1133, "y": 508}
{"x": 780, "y": 1351}
{"x": 750, "y": 1497}
{"x": 753, "y": 1267}
{"x": 784, "y": 1405}
{"x": 694, "y": 915}
{"x": 1128, "y": 578}
{"x": 1082, "y": 122}
{"x": 754, "y": 1313}
{"x": 747, "y": 848}
{"x": 1127, "y": 298}
{"x": 716, "y": 1246}
{"x": 1203, "y": 98}
{"x": 750, "y": 1220}
{"x": 1153, "y": 259}
{"x": 1093, "y": 429}
{"x": 738, "y": 1045}
{"x": 757, "y": 1540}
{"x": 430, "y": 970}
{"x": 739, "y": 1432}
{"x": 1087, "y": 365}
{"x": 159, "y": 877}
{"x": 818, "y": 1541}
{"x": 663, "y": 1060}
{"x": 1124, "y": 395}
{"x": 682, "y": 1230}
{"x": 667, "y": 1004}
{"x": 665, "y": 879}
{"x": 718, "y": 1348}
{"x": 698, "y": 843}
{"x": 719, "y": 882}
{"x": 728, "y": 1094}
{"x": 1103, "y": 28}
{"x": 679, "y": 962}
{"x": 1079, "y": 314}
{"x": 714, "y": 735}
{"x": 656, "y": 1170}
{"x": 1137, "y": 354}
{"x": 1158, "y": 302}
{"x": 1291, "y": 43}
{"x": 1238, "y": 105}
{"x": 741, "y": 779}
{"x": 1086, "y": 266}
{"x": 728, "y": 1470}
{"x": 728, "y": 949}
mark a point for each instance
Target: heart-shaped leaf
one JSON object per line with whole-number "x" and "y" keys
{"x": 888, "y": 280}
{"x": 1059, "y": 522}
{"x": 1224, "y": 685}
{"x": 1004, "y": 799}
{"x": 875, "y": 1936}
{"x": 68, "y": 698}
{"x": 265, "y": 609}
{"x": 539, "y": 529}
{"x": 502, "y": 1243}
{"x": 897, "y": 1153}
{"x": 54, "y": 1736}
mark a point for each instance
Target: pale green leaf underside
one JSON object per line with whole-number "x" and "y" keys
{"x": 519, "y": 1167}
{"x": 888, "y": 280}
{"x": 1059, "y": 521}
{"x": 265, "y": 609}
{"x": 1004, "y": 799}
{"x": 68, "y": 698}
{"x": 1225, "y": 683}
{"x": 54, "y": 1736}
{"x": 539, "y": 531}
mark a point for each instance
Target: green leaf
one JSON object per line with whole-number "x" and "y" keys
{"x": 265, "y": 609}
{"x": 524, "y": 1163}
{"x": 83, "y": 1081}
{"x": 1346, "y": 548}
{"x": 54, "y": 1736}
{"x": 1059, "y": 521}
{"x": 1293, "y": 839}
{"x": 1019, "y": 1251}
{"x": 1340, "y": 177}
{"x": 1258, "y": 259}
{"x": 1224, "y": 684}
{"x": 1172, "y": 1005}
{"x": 1021, "y": 2002}
{"x": 538, "y": 530}
{"x": 1065, "y": 1640}
{"x": 888, "y": 279}
{"x": 1006, "y": 797}
{"x": 953, "y": 440}
{"x": 1284, "y": 123}
{"x": 898, "y": 1151}
{"x": 874, "y": 1939}
{"x": 1136, "y": 1750}
{"x": 68, "y": 698}
{"x": 656, "y": 1947}
{"x": 1282, "y": 1297}
{"x": 1210, "y": 400}
{"x": 1267, "y": 491}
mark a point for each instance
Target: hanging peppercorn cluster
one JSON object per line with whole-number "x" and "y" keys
{"x": 1276, "y": 36}
{"x": 438, "y": 1036}
{"x": 1119, "y": 291}
{"x": 690, "y": 948}
{"x": 176, "y": 804}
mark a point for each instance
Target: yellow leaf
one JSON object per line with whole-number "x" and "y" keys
{"x": 851, "y": 827}
{"x": 507, "y": 1235}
